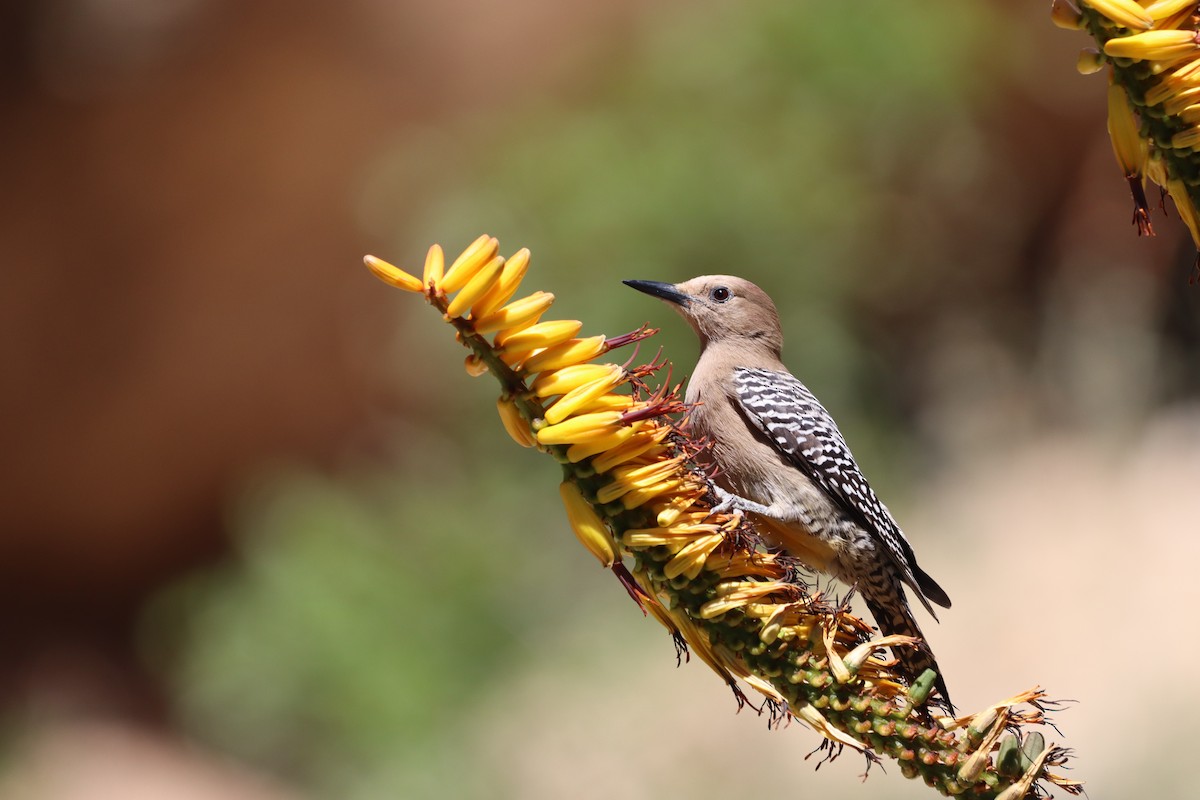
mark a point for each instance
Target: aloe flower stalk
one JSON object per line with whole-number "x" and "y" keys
{"x": 639, "y": 503}
{"x": 1152, "y": 53}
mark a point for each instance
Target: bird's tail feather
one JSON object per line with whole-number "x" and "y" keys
{"x": 897, "y": 619}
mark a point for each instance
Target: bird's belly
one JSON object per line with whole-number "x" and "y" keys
{"x": 807, "y": 525}
{"x": 814, "y": 550}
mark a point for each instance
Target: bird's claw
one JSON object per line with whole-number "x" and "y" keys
{"x": 725, "y": 500}
{"x": 723, "y": 506}
{"x": 728, "y": 501}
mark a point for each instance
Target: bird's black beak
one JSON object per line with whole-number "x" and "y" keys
{"x": 663, "y": 291}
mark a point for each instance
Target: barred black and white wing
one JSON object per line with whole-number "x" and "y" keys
{"x": 804, "y": 432}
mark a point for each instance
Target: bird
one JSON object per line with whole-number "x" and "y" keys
{"x": 780, "y": 458}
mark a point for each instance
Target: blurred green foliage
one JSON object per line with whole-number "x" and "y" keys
{"x": 772, "y": 139}
{"x": 757, "y": 138}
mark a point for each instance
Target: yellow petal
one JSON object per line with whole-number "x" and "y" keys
{"x": 1123, "y": 12}
{"x": 392, "y": 275}
{"x": 578, "y": 452}
{"x": 639, "y": 497}
{"x": 629, "y": 479}
{"x": 435, "y": 261}
{"x": 1166, "y": 8}
{"x": 585, "y": 428}
{"x": 573, "y": 351}
{"x": 738, "y": 595}
{"x": 515, "y": 424}
{"x": 690, "y": 560}
{"x": 581, "y": 397}
{"x": 1179, "y": 100}
{"x": 1128, "y": 145}
{"x": 473, "y": 259}
{"x": 1183, "y": 200}
{"x": 589, "y": 528}
{"x": 561, "y": 381}
{"x": 1186, "y": 139}
{"x": 476, "y": 287}
{"x": 674, "y": 509}
{"x": 1152, "y": 45}
{"x": 543, "y": 334}
{"x": 506, "y": 285}
{"x": 610, "y": 402}
{"x": 639, "y": 476}
{"x": 515, "y": 314}
{"x": 632, "y": 449}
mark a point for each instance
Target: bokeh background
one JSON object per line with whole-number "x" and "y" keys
{"x": 262, "y": 537}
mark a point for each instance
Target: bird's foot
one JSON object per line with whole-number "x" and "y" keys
{"x": 728, "y": 501}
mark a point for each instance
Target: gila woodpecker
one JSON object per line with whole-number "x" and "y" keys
{"x": 780, "y": 457}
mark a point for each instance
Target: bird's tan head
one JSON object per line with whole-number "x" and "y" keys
{"x": 722, "y": 308}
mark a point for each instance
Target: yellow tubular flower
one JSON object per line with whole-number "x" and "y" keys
{"x": 1171, "y": 95}
{"x": 657, "y": 537}
{"x": 584, "y": 428}
{"x": 578, "y": 452}
{"x": 609, "y": 402}
{"x": 543, "y": 334}
{"x": 737, "y": 595}
{"x": 1179, "y": 193}
{"x": 1181, "y": 19}
{"x": 479, "y": 253}
{"x": 392, "y": 275}
{"x": 583, "y": 396}
{"x": 1185, "y": 140}
{"x": 1128, "y": 146}
{"x": 1156, "y": 170}
{"x": 475, "y": 288}
{"x": 631, "y": 449}
{"x": 674, "y": 509}
{"x": 514, "y": 423}
{"x": 435, "y": 265}
{"x": 1153, "y": 45}
{"x": 625, "y": 479}
{"x": 638, "y": 500}
{"x": 628, "y": 480}
{"x": 690, "y": 559}
{"x": 567, "y": 379}
{"x": 1163, "y": 9}
{"x": 505, "y": 286}
{"x": 642, "y": 495}
{"x": 573, "y": 351}
{"x": 588, "y": 527}
{"x": 516, "y": 314}
{"x": 1123, "y": 12}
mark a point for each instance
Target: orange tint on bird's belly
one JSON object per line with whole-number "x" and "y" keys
{"x": 797, "y": 542}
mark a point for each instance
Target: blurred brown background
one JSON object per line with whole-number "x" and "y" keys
{"x": 235, "y": 556}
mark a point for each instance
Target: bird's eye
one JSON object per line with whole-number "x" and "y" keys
{"x": 721, "y": 294}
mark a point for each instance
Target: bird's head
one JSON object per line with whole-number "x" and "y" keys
{"x": 722, "y": 308}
